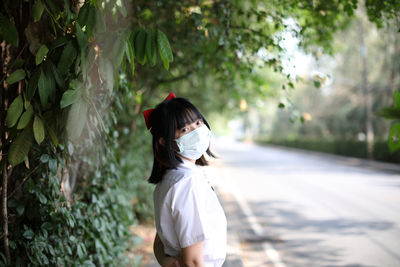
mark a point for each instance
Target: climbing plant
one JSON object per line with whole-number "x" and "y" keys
{"x": 75, "y": 76}
{"x": 61, "y": 66}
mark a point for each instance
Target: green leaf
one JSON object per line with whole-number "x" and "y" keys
{"x": 37, "y": 10}
{"x": 14, "y": 111}
{"x": 91, "y": 20}
{"x": 43, "y": 89}
{"x": 12, "y": 203}
{"x": 396, "y": 97}
{"x": 81, "y": 37}
{"x": 16, "y": 76}
{"x": 394, "y": 138}
{"x": 54, "y": 7}
{"x": 27, "y": 103}
{"x": 281, "y": 105}
{"x": 50, "y": 81}
{"x": 88, "y": 263}
{"x": 38, "y": 130}
{"x": 33, "y": 84}
{"x": 87, "y": 17}
{"x": 20, "y": 210}
{"x": 19, "y": 148}
{"x": 83, "y": 14}
{"x": 389, "y": 113}
{"x": 25, "y": 118}
{"x": 132, "y": 38}
{"x": 59, "y": 42}
{"x": 80, "y": 250}
{"x": 41, "y": 54}
{"x": 56, "y": 74}
{"x": 118, "y": 49}
{"x": 67, "y": 58}
{"x": 16, "y": 63}
{"x": 165, "y": 62}
{"x": 8, "y": 31}
{"x": 69, "y": 97}
{"x": 163, "y": 47}
{"x": 151, "y": 47}
{"x": 131, "y": 57}
{"x": 44, "y": 158}
{"x": 76, "y": 119}
{"x": 52, "y": 135}
{"x": 28, "y": 234}
{"x": 42, "y": 198}
{"x": 317, "y": 84}
{"x": 140, "y": 46}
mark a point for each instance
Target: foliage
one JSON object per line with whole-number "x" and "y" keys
{"x": 337, "y": 109}
{"x": 92, "y": 231}
{"x": 383, "y": 12}
{"x": 393, "y": 113}
{"x": 59, "y": 123}
{"x": 349, "y": 148}
{"x": 75, "y": 79}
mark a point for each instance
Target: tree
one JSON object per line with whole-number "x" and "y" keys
{"x": 68, "y": 70}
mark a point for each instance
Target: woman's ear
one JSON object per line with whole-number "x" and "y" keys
{"x": 161, "y": 141}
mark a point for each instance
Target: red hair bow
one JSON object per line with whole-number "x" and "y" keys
{"x": 147, "y": 112}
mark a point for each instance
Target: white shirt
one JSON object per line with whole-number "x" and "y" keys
{"x": 187, "y": 211}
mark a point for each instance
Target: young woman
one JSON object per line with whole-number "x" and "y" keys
{"x": 190, "y": 222}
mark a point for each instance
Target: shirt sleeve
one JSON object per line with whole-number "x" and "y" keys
{"x": 189, "y": 211}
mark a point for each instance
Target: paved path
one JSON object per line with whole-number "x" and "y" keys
{"x": 293, "y": 208}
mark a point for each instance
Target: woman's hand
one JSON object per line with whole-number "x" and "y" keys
{"x": 170, "y": 261}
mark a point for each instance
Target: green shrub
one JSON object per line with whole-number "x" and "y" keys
{"x": 351, "y": 148}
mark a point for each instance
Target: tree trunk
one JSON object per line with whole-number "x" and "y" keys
{"x": 366, "y": 93}
{"x": 5, "y": 213}
{"x": 3, "y": 100}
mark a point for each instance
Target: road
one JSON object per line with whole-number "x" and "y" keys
{"x": 310, "y": 209}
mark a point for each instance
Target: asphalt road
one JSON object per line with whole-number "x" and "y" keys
{"x": 311, "y": 209}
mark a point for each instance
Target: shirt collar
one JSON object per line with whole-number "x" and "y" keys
{"x": 188, "y": 163}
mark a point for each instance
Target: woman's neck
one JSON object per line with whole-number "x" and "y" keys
{"x": 191, "y": 160}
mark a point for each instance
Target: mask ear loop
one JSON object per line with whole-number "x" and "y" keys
{"x": 179, "y": 145}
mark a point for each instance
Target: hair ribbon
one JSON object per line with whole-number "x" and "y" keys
{"x": 147, "y": 112}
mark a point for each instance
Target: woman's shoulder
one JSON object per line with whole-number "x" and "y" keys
{"x": 180, "y": 174}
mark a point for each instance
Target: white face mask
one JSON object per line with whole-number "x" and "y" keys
{"x": 194, "y": 144}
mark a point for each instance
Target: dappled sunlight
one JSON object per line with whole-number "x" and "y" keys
{"x": 313, "y": 209}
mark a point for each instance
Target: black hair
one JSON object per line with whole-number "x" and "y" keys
{"x": 168, "y": 116}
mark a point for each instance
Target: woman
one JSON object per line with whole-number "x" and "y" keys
{"x": 190, "y": 222}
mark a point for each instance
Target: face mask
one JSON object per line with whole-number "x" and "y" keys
{"x": 194, "y": 144}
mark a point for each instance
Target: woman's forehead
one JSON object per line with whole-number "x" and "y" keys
{"x": 188, "y": 116}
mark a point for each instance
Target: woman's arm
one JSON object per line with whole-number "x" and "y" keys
{"x": 163, "y": 260}
{"x": 192, "y": 256}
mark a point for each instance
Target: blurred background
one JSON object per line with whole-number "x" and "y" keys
{"x": 269, "y": 76}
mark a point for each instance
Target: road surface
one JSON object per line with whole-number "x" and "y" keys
{"x": 309, "y": 209}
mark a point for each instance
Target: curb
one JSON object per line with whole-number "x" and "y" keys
{"x": 344, "y": 160}
{"x": 233, "y": 249}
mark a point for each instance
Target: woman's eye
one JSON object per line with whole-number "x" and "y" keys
{"x": 199, "y": 122}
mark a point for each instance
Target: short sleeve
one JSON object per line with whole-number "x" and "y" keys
{"x": 189, "y": 211}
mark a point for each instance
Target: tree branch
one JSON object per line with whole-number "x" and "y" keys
{"x": 4, "y": 213}
{"x": 259, "y": 33}
{"x": 24, "y": 180}
{"x": 175, "y": 79}
{"x": 150, "y": 92}
{"x": 19, "y": 54}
